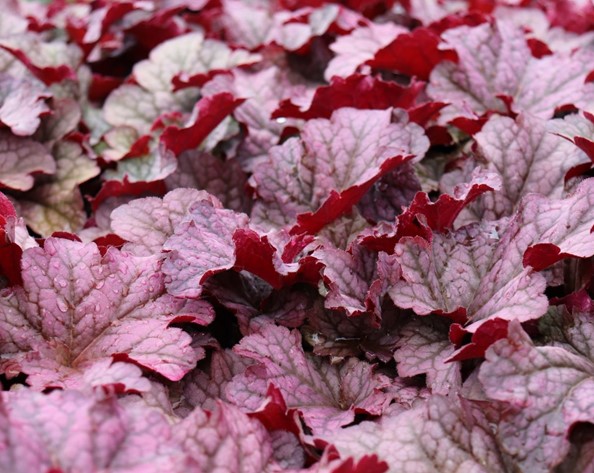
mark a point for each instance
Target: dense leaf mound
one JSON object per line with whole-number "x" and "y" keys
{"x": 297, "y": 236}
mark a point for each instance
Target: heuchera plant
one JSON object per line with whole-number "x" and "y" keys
{"x": 303, "y": 236}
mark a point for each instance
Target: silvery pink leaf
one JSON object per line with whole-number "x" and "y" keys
{"x": 70, "y": 431}
{"x": 347, "y": 276}
{"x": 547, "y": 391}
{"x": 201, "y": 245}
{"x": 423, "y": 347}
{"x": 147, "y": 223}
{"x": 204, "y": 387}
{"x": 225, "y": 439}
{"x": 536, "y": 86}
{"x": 441, "y": 431}
{"x": 528, "y": 157}
{"x": 22, "y": 102}
{"x": 317, "y": 178}
{"x": 356, "y": 48}
{"x": 77, "y": 307}
{"x": 19, "y": 159}
{"x": 327, "y": 395}
{"x": 464, "y": 273}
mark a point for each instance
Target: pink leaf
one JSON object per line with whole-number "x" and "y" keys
{"x": 328, "y": 396}
{"x": 423, "y": 348}
{"x": 473, "y": 86}
{"x": 321, "y": 176}
{"x": 21, "y": 105}
{"x": 460, "y": 438}
{"x": 226, "y": 439}
{"x": 527, "y": 157}
{"x": 361, "y": 45}
{"x": 19, "y": 159}
{"x": 147, "y": 223}
{"x": 93, "y": 435}
{"x": 76, "y": 308}
{"x": 202, "y": 245}
{"x": 548, "y": 390}
{"x": 470, "y": 275}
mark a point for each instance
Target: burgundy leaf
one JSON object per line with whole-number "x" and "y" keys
{"x": 440, "y": 215}
{"x": 356, "y": 91}
{"x": 414, "y": 54}
{"x": 207, "y": 114}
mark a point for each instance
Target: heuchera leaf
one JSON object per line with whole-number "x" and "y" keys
{"x": 359, "y": 46}
{"x": 331, "y": 333}
{"x": 147, "y": 223}
{"x": 327, "y": 171}
{"x": 423, "y": 347}
{"x": 214, "y": 240}
{"x": 223, "y": 179}
{"x": 527, "y": 156}
{"x": 139, "y": 105}
{"x": 19, "y": 159}
{"x": 356, "y": 91}
{"x": 558, "y": 228}
{"x": 200, "y": 247}
{"x": 76, "y": 307}
{"x": 69, "y": 431}
{"x": 21, "y": 104}
{"x": 468, "y": 275}
{"x": 414, "y": 54}
{"x": 439, "y": 431}
{"x": 57, "y": 204}
{"x": 546, "y": 389}
{"x": 205, "y": 387}
{"x": 422, "y": 214}
{"x": 474, "y": 86}
{"x": 328, "y": 396}
{"x": 225, "y": 439}
{"x": 207, "y": 114}
{"x": 348, "y": 276}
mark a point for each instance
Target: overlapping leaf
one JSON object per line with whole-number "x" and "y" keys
{"x": 548, "y": 390}
{"x": 537, "y": 86}
{"x": 70, "y": 432}
{"x": 76, "y": 308}
{"x": 328, "y": 396}
{"x": 317, "y": 178}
